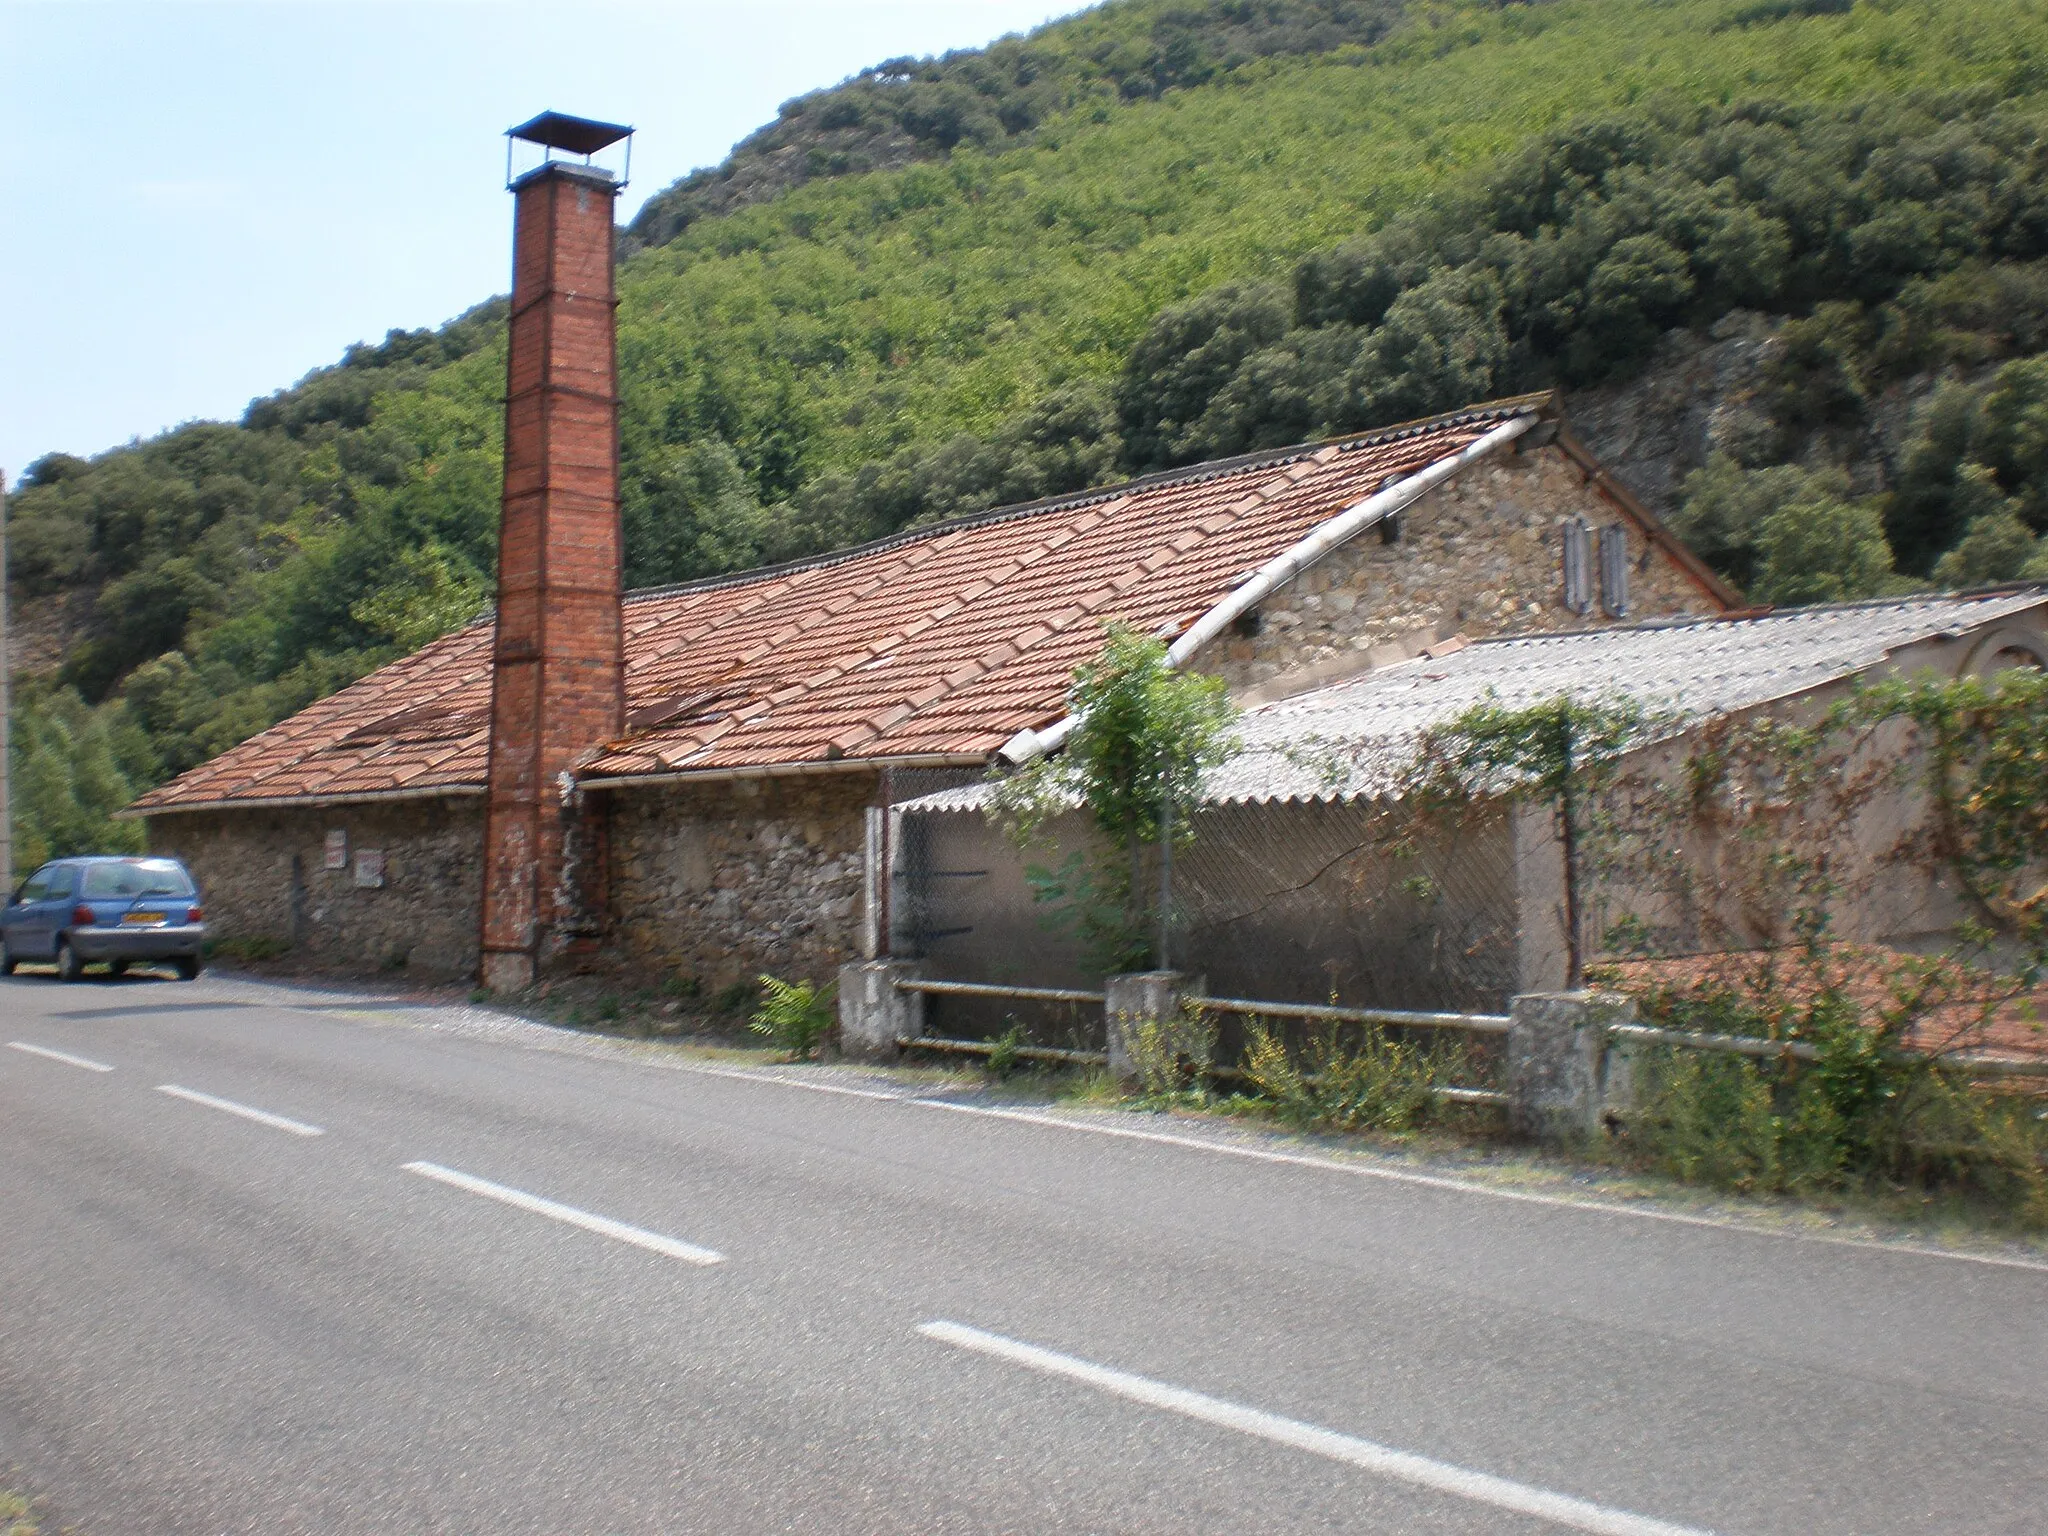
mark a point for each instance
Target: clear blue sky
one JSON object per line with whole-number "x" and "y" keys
{"x": 203, "y": 201}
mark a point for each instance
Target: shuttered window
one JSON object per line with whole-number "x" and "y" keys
{"x": 1614, "y": 569}
{"x": 1577, "y": 542}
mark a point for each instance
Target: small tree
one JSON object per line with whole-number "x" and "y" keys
{"x": 1134, "y": 764}
{"x": 1562, "y": 751}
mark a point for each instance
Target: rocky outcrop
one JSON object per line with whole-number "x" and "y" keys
{"x": 1708, "y": 391}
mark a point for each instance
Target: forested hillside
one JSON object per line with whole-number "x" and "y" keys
{"x": 1792, "y": 255}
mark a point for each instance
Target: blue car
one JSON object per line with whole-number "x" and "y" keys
{"x": 110, "y": 910}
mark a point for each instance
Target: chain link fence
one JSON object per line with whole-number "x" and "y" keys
{"x": 1287, "y": 902}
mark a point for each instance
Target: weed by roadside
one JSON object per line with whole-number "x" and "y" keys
{"x": 1863, "y": 1119}
{"x": 19, "y": 1514}
{"x": 797, "y": 1016}
{"x": 1362, "y": 1080}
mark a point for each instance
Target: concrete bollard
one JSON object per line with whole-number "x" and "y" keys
{"x": 1140, "y": 1002}
{"x": 1557, "y": 1062}
{"x": 874, "y": 1013}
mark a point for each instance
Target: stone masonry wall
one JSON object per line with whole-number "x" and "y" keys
{"x": 1478, "y": 556}
{"x": 726, "y": 879}
{"x": 262, "y": 876}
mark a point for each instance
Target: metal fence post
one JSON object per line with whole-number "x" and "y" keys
{"x": 1162, "y": 961}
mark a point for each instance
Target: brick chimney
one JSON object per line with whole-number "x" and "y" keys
{"x": 558, "y": 665}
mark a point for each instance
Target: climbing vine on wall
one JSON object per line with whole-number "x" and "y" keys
{"x": 1134, "y": 766}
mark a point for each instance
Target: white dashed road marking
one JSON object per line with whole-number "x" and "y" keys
{"x": 554, "y": 1210}
{"x": 1442, "y": 1477}
{"x": 230, "y": 1107}
{"x": 63, "y": 1056}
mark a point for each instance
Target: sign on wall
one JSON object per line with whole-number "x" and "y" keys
{"x": 337, "y": 849}
{"x": 369, "y": 868}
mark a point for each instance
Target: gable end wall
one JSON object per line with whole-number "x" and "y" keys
{"x": 1478, "y": 556}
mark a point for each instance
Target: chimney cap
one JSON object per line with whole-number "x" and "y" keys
{"x": 577, "y": 135}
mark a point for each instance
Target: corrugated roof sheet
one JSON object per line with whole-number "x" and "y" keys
{"x": 1351, "y": 738}
{"x": 940, "y": 642}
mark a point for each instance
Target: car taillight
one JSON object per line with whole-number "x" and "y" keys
{"x": 194, "y": 914}
{"x": 83, "y": 914}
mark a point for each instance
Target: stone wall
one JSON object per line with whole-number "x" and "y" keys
{"x": 1478, "y": 556}
{"x": 263, "y": 876}
{"x": 725, "y": 879}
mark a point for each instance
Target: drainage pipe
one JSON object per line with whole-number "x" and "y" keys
{"x": 1290, "y": 563}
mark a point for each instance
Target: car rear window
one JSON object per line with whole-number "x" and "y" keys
{"x": 142, "y": 877}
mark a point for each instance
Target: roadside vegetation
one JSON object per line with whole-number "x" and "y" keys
{"x": 1874, "y": 1074}
{"x": 19, "y": 1514}
{"x": 1132, "y": 770}
{"x": 797, "y": 1017}
{"x": 1143, "y": 235}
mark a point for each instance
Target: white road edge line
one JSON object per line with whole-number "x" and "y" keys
{"x": 1463, "y": 1187}
{"x": 619, "y": 1231}
{"x": 1364, "y": 1171}
{"x": 63, "y": 1056}
{"x": 1403, "y": 1466}
{"x": 745, "y": 1076}
{"x": 230, "y": 1107}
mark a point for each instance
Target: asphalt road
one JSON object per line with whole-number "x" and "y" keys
{"x": 299, "y": 1263}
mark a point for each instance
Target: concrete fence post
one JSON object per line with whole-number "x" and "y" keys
{"x": 874, "y": 1013}
{"x": 1557, "y": 1060}
{"x": 1143, "y": 1013}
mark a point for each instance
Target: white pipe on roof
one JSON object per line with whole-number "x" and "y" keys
{"x": 1287, "y": 565}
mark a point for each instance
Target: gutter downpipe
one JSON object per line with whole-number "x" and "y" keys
{"x": 1287, "y": 565}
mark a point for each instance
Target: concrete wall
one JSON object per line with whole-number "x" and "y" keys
{"x": 725, "y": 879}
{"x": 262, "y": 875}
{"x": 1479, "y": 556}
{"x": 1702, "y": 881}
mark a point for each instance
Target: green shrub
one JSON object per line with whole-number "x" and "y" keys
{"x": 795, "y": 1015}
{"x": 1347, "y": 1080}
{"x": 1864, "y": 1115}
{"x": 1002, "y": 1057}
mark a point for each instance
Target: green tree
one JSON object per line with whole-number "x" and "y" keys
{"x": 1996, "y": 546}
{"x": 1821, "y": 548}
{"x": 72, "y": 767}
{"x": 691, "y": 511}
{"x": 1788, "y": 535}
{"x": 1134, "y": 764}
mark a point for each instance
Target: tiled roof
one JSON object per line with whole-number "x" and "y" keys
{"x": 941, "y": 642}
{"x": 1350, "y": 739}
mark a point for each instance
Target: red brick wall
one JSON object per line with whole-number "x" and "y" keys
{"x": 557, "y": 672}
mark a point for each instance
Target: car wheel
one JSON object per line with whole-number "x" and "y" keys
{"x": 7, "y": 960}
{"x": 188, "y": 967}
{"x": 69, "y": 966}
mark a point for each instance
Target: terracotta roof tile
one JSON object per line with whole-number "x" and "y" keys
{"x": 940, "y": 641}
